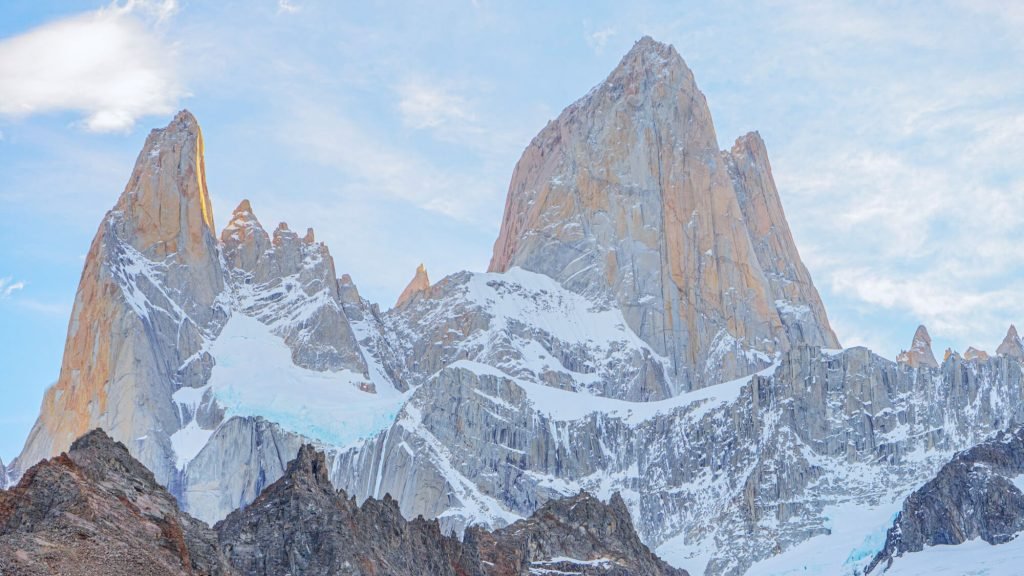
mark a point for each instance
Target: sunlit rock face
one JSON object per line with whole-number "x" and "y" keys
{"x": 149, "y": 297}
{"x": 626, "y": 198}
{"x": 920, "y": 353}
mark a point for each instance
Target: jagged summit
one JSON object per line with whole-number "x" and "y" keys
{"x": 420, "y": 283}
{"x": 973, "y": 353}
{"x": 920, "y": 353}
{"x": 1011, "y": 345}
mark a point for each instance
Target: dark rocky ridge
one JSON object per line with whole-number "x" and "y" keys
{"x": 97, "y": 511}
{"x": 973, "y": 496}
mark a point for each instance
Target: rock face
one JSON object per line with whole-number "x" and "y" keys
{"x": 973, "y": 353}
{"x": 920, "y": 353}
{"x": 149, "y": 298}
{"x": 741, "y": 471}
{"x": 577, "y": 535}
{"x": 419, "y": 283}
{"x": 96, "y": 510}
{"x": 328, "y": 533}
{"x": 1011, "y": 345}
{"x": 976, "y": 495}
{"x": 626, "y": 198}
{"x": 3, "y": 475}
{"x": 290, "y": 284}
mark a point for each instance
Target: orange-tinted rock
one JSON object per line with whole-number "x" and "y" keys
{"x": 420, "y": 283}
{"x": 920, "y": 353}
{"x": 627, "y": 198}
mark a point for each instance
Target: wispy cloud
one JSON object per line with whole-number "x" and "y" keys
{"x": 8, "y": 286}
{"x": 287, "y": 7}
{"x": 111, "y": 65}
{"x": 427, "y": 105}
{"x": 597, "y": 39}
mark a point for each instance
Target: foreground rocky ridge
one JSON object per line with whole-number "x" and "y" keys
{"x": 98, "y": 511}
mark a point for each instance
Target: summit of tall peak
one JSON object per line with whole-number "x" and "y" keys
{"x": 627, "y": 198}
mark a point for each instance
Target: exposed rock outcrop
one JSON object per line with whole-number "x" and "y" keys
{"x": 920, "y": 353}
{"x": 626, "y": 198}
{"x": 329, "y": 534}
{"x": 3, "y": 475}
{"x": 976, "y": 495}
{"x": 973, "y": 353}
{"x": 420, "y": 283}
{"x": 577, "y": 535}
{"x": 1011, "y": 345}
{"x": 97, "y": 511}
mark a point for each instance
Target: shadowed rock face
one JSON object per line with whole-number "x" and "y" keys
{"x": 578, "y": 535}
{"x": 301, "y": 525}
{"x": 973, "y": 496}
{"x": 626, "y": 197}
{"x": 96, "y": 510}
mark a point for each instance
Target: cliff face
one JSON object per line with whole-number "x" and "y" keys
{"x": 147, "y": 301}
{"x": 626, "y": 197}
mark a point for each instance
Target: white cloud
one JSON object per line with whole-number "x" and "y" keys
{"x": 428, "y": 105}
{"x": 8, "y": 287}
{"x": 111, "y": 65}
{"x": 598, "y": 39}
{"x": 286, "y": 7}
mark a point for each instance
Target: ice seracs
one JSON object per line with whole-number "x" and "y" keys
{"x": 920, "y": 353}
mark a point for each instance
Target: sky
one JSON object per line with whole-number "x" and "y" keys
{"x": 895, "y": 132}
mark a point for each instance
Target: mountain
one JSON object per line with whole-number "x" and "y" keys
{"x": 626, "y": 198}
{"x": 647, "y": 329}
{"x": 920, "y": 353}
{"x": 95, "y": 510}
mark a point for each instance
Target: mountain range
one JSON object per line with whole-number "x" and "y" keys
{"x": 646, "y": 332}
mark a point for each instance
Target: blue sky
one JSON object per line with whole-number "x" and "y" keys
{"x": 895, "y": 130}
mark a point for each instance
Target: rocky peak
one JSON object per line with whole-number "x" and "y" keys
{"x": 1011, "y": 345}
{"x": 920, "y": 353}
{"x": 626, "y": 198}
{"x": 309, "y": 469}
{"x": 3, "y": 474}
{"x": 973, "y": 353}
{"x": 577, "y": 535}
{"x": 97, "y": 510}
{"x": 166, "y": 205}
{"x": 420, "y": 283}
{"x": 244, "y": 240}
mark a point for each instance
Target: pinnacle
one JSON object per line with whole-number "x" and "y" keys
{"x": 649, "y": 55}
{"x": 243, "y": 207}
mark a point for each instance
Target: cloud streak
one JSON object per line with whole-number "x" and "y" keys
{"x": 111, "y": 66}
{"x": 8, "y": 287}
